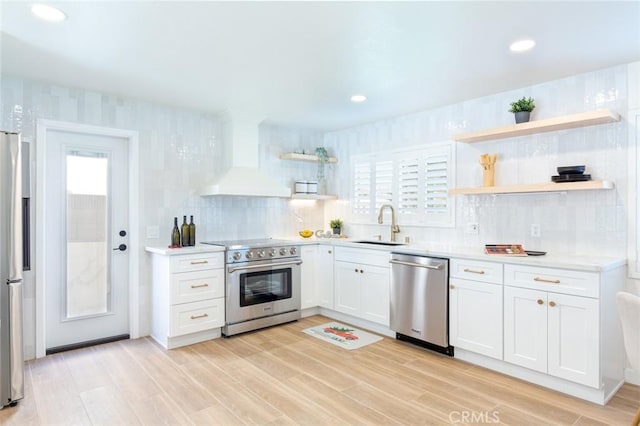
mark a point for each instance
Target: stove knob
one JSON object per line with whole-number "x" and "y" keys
{"x": 261, "y": 253}
{"x": 272, "y": 252}
{"x": 293, "y": 250}
{"x": 249, "y": 255}
{"x": 236, "y": 255}
{"x": 283, "y": 251}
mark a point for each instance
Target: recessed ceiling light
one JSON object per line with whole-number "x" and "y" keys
{"x": 522, "y": 45}
{"x": 358, "y": 98}
{"x": 48, "y": 13}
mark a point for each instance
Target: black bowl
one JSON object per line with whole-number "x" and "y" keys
{"x": 570, "y": 170}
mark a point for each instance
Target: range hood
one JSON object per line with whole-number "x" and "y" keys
{"x": 244, "y": 178}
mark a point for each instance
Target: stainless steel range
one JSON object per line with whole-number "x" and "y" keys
{"x": 262, "y": 283}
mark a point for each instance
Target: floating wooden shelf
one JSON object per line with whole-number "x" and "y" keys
{"x": 583, "y": 119}
{"x": 304, "y": 157}
{"x": 540, "y": 187}
{"x": 313, "y": 197}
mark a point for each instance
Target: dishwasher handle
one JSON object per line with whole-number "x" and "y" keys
{"x": 418, "y": 265}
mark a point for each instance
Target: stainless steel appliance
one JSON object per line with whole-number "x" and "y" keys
{"x": 262, "y": 284}
{"x": 11, "y": 356}
{"x": 420, "y": 301}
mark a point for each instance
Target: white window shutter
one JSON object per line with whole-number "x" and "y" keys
{"x": 384, "y": 171}
{"x": 362, "y": 189}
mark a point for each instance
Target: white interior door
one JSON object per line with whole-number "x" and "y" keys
{"x": 86, "y": 238}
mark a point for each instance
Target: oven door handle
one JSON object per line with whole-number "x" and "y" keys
{"x": 231, "y": 270}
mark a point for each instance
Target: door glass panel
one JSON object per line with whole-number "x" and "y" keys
{"x": 265, "y": 286}
{"x": 87, "y": 282}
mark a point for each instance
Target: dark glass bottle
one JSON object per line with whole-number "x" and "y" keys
{"x": 185, "y": 232}
{"x": 192, "y": 233}
{"x": 175, "y": 234}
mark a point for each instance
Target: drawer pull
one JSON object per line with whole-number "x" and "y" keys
{"x": 451, "y": 286}
{"x": 199, "y": 316}
{"x": 543, "y": 280}
{"x": 473, "y": 271}
{"x": 540, "y": 301}
{"x": 552, "y": 303}
{"x": 199, "y": 285}
{"x": 199, "y": 262}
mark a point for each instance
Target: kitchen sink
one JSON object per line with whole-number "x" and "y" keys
{"x": 380, "y": 243}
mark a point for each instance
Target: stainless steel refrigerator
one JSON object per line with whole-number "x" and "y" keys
{"x": 11, "y": 264}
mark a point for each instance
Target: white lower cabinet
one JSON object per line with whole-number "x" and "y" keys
{"x": 554, "y": 333}
{"x": 362, "y": 289}
{"x": 188, "y": 299}
{"x": 324, "y": 276}
{"x": 475, "y": 316}
{"x": 308, "y": 271}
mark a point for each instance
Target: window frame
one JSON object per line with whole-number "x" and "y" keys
{"x": 418, "y": 154}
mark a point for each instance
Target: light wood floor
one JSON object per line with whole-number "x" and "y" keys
{"x": 281, "y": 376}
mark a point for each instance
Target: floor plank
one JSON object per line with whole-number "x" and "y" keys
{"x": 281, "y": 376}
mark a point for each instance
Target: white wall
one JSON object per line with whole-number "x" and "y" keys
{"x": 591, "y": 222}
{"x": 180, "y": 151}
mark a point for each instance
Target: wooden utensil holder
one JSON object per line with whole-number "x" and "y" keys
{"x": 488, "y": 175}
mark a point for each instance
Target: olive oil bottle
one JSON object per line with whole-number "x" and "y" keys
{"x": 192, "y": 232}
{"x": 185, "y": 232}
{"x": 175, "y": 234}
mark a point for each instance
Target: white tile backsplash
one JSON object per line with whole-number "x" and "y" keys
{"x": 590, "y": 222}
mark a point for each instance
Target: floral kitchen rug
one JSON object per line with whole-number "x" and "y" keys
{"x": 345, "y": 336}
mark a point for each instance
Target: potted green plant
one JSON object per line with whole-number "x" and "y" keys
{"x": 522, "y": 109}
{"x": 336, "y": 225}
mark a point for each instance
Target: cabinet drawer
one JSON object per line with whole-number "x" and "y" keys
{"x": 196, "y": 316}
{"x": 489, "y": 272}
{"x": 363, "y": 256}
{"x": 195, "y": 286}
{"x": 562, "y": 281}
{"x": 197, "y": 262}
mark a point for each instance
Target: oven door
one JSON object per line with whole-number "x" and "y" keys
{"x": 262, "y": 289}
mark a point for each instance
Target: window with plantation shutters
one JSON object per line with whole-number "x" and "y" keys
{"x": 415, "y": 181}
{"x": 362, "y": 189}
{"x": 383, "y": 180}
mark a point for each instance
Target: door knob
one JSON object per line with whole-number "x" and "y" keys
{"x": 121, "y": 247}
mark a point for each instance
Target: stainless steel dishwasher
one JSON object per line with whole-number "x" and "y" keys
{"x": 420, "y": 300}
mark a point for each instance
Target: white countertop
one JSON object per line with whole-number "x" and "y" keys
{"x": 198, "y": 248}
{"x": 553, "y": 260}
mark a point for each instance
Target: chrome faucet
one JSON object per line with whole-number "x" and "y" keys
{"x": 394, "y": 227}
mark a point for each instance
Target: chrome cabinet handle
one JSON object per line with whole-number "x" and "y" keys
{"x": 199, "y": 285}
{"x": 473, "y": 271}
{"x": 418, "y": 265}
{"x": 200, "y": 262}
{"x": 542, "y": 280}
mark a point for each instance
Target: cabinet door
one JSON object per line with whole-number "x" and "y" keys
{"x": 525, "y": 327}
{"x": 324, "y": 276}
{"x": 308, "y": 288}
{"x": 347, "y": 283}
{"x": 574, "y": 338}
{"x": 475, "y": 317}
{"x": 374, "y": 287}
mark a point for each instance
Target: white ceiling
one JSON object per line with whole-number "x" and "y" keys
{"x": 298, "y": 62}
